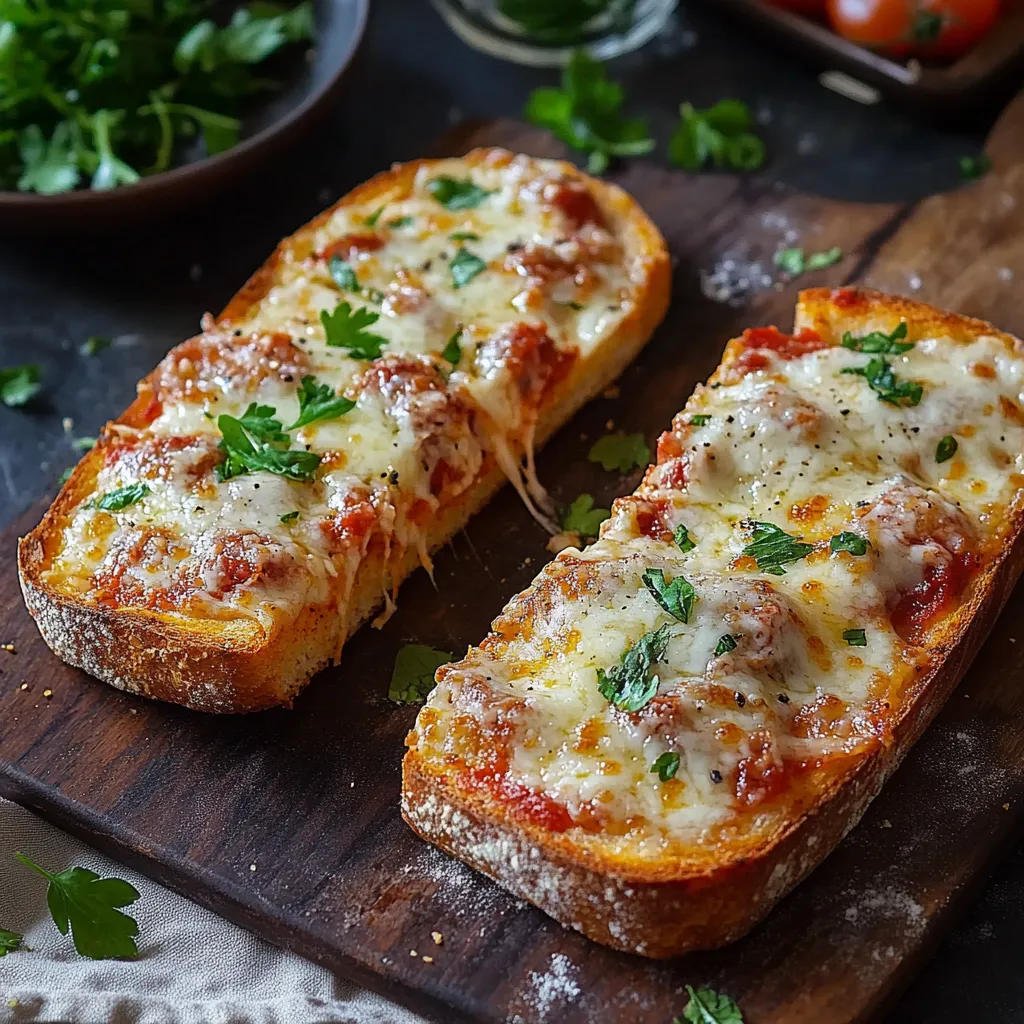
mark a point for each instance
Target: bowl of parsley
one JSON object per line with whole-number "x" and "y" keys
{"x": 112, "y": 108}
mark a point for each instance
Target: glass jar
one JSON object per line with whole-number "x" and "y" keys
{"x": 545, "y": 32}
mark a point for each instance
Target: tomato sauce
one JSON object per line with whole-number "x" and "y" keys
{"x": 578, "y": 205}
{"x": 935, "y": 595}
{"x": 348, "y": 247}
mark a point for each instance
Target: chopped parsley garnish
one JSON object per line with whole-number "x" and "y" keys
{"x": 581, "y": 517}
{"x": 343, "y": 274}
{"x": 571, "y": 304}
{"x": 666, "y": 766}
{"x": 371, "y": 221}
{"x": 318, "y": 402}
{"x": 9, "y": 941}
{"x": 621, "y": 452}
{"x": 453, "y": 350}
{"x": 972, "y": 167}
{"x": 880, "y": 343}
{"x": 412, "y": 678}
{"x": 585, "y": 113}
{"x": 700, "y": 419}
{"x": 629, "y": 685}
{"x": 346, "y": 328}
{"x": 289, "y": 517}
{"x": 465, "y": 266}
{"x": 946, "y": 448}
{"x": 706, "y": 1006}
{"x": 87, "y": 904}
{"x": 855, "y": 637}
{"x": 93, "y": 345}
{"x": 676, "y": 597}
{"x": 83, "y": 444}
{"x": 261, "y": 421}
{"x": 464, "y": 236}
{"x": 457, "y": 193}
{"x": 242, "y": 456}
{"x": 114, "y": 501}
{"x": 65, "y": 476}
{"x": 796, "y": 261}
{"x": 726, "y": 643}
{"x": 19, "y": 385}
{"x": 721, "y": 134}
{"x": 399, "y": 222}
{"x": 884, "y": 382}
{"x": 846, "y": 541}
{"x": 772, "y": 548}
{"x": 682, "y": 539}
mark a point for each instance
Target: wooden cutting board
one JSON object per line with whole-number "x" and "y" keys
{"x": 287, "y": 822}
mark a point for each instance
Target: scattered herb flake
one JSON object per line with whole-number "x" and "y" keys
{"x": 93, "y": 345}
{"x": 242, "y": 456}
{"x": 290, "y": 517}
{"x": 319, "y": 402}
{"x": 772, "y": 548}
{"x": 453, "y": 350}
{"x": 83, "y": 444}
{"x": 946, "y": 448}
{"x": 884, "y": 382}
{"x": 846, "y": 541}
{"x": 9, "y": 941}
{"x": 465, "y": 266}
{"x": 855, "y": 637}
{"x": 795, "y": 261}
{"x": 880, "y": 343}
{"x": 706, "y": 1006}
{"x": 700, "y": 419}
{"x": 346, "y": 328}
{"x": 720, "y": 134}
{"x": 464, "y": 236}
{"x": 629, "y": 685}
{"x": 621, "y": 452}
{"x": 666, "y": 766}
{"x": 972, "y": 167}
{"x": 399, "y": 222}
{"x": 682, "y": 539}
{"x": 457, "y": 193}
{"x": 581, "y": 517}
{"x": 371, "y": 221}
{"x": 412, "y": 678}
{"x": 343, "y": 274}
{"x": 114, "y": 501}
{"x": 19, "y": 385}
{"x": 676, "y": 598}
{"x": 726, "y": 643}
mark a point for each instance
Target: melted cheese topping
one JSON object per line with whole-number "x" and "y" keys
{"x": 422, "y": 432}
{"x": 763, "y": 721}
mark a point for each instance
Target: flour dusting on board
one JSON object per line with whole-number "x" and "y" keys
{"x": 553, "y": 989}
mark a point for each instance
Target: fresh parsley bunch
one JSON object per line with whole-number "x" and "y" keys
{"x": 102, "y": 92}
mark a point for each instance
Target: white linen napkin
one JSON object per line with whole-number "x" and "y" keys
{"x": 193, "y": 967}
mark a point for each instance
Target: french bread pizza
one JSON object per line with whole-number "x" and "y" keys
{"x": 366, "y": 391}
{"x": 669, "y": 729}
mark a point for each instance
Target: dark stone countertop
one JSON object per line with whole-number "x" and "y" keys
{"x": 147, "y": 287}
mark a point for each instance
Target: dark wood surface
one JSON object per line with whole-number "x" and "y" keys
{"x": 287, "y": 822}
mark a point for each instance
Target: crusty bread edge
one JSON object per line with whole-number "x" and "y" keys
{"x": 234, "y": 667}
{"x": 667, "y": 908}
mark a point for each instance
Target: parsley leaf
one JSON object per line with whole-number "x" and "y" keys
{"x": 412, "y": 678}
{"x": 371, "y": 221}
{"x": 585, "y": 113}
{"x": 676, "y": 597}
{"x": 457, "y": 193}
{"x": 83, "y": 444}
{"x": 464, "y": 236}
{"x": 878, "y": 342}
{"x": 772, "y": 548}
{"x": 78, "y": 898}
{"x": 343, "y": 274}
{"x": 453, "y": 350}
{"x": 398, "y": 222}
{"x": 9, "y": 941}
{"x": 700, "y": 419}
{"x": 260, "y": 421}
{"x": 289, "y": 517}
{"x": 627, "y": 685}
{"x": 706, "y": 1006}
{"x": 795, "y": 261}
{"x": 884, "y": 382}
{"x": 345, "y": 328}
{"x": 726, "y": 643}
{"x": 465, "y": 266}
{"x": 946, "y": 448}
{"x": 93, "y": 345}
{"x": 972, "y": 167}
{"x": 581, "y": 517}
{"x": 855, "y": 637}
{"x": 846, "y": 541}
{"x": 114, "y": 501}
{"x": 318, "y": 402}
{"x": 666, "y": 766}
{"x": 682, "y": 539}
{"x": 242, "y": 456}
{"x": 19, "y": 385}
{"x": 621, "y": 452}
{"x": 720, "y": 134}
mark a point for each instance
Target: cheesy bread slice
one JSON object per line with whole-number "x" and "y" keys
{"x": 669, "y": 729}
{"x": 370, "y": 387}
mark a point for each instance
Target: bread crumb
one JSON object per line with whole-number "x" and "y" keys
{"x": 612, "y": 391}
{"x": 886, "y": 823}
{"x": 427, "y": 959}
{"x": 437, "y": 937}
{"x": 1006, "y": 807}
{"x": 24, "y": 686}
{"x": 9, "y": 648}
{"x": 252, "y": 867}
{"x": 47, "y": 694}
{"x": 412, "y": 952}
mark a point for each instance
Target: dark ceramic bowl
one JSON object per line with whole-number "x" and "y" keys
{"x": 307, "y": 93}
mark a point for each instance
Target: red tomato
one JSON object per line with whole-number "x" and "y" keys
{"x": 940, "y": 29}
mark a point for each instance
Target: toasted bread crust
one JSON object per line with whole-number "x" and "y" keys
{"x": 236, "y": 667}
{"x": 672, "y": 906}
